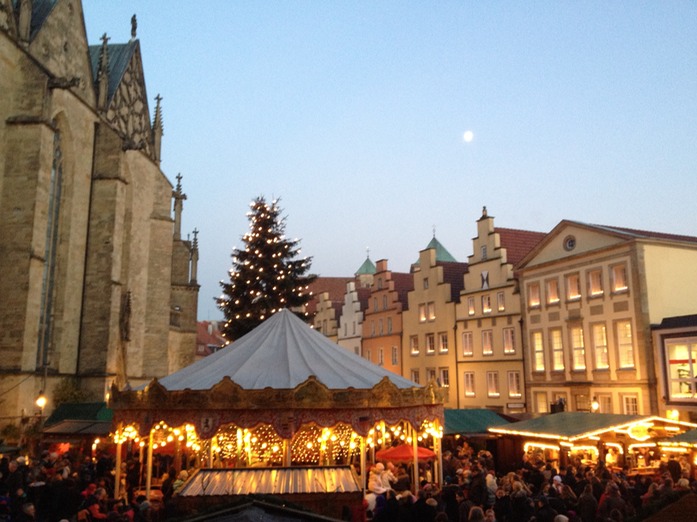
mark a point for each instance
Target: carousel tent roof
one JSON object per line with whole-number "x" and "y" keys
{"x": 282, "y": 353}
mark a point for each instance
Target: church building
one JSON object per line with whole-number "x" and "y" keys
{"x": 97, "y": 284}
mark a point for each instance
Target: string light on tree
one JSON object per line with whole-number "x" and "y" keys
{"x": 266, "y": 275}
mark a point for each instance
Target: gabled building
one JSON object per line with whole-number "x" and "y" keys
{"x": 325, "y": 306}
{"x": 350, "y": 334}
{"x": 488, "y": 333}
{"x": 591, "y": 294}
{"x": 382, "y": 324}
{"x": 97, "y": 283}
{"x": 428, "y": 346}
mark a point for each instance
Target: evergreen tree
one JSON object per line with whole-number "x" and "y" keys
{"x": 265, "y": 275}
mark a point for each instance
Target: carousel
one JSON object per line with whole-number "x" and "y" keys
{"x": 280, "y": 399}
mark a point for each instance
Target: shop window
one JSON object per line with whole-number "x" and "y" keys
{"x": 681, "y": 362}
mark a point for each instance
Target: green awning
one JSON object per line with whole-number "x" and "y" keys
{"x": 471, "y": 422}
{"x": 80, "y": 411}
{"x": 568, "y": 425}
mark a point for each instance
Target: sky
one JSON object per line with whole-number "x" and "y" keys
{"x": 354, "y": 115}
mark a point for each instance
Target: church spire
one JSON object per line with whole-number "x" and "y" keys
{"x": 179, "y": 198}
{"x": 157, "y": 130}
{"x": 103, "y": 75}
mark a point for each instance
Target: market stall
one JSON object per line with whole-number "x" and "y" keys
{"x": 281, "y": 396}
{"x": 581, "y": 437}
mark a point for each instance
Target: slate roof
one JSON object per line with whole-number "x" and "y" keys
{"x": 119, "y": 58}
{"x": 568, "y": 425}
{"x": 40, "y": 10}
{"x": 683, "y": 321}
{"x": 471, "y": 421}
{"x": 518, "y": 243}
{"x": 403, "y": 284}
{"x": 453, "y": 274}
{"x": 282, "y": 353}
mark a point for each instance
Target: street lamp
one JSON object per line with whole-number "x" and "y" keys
{"x": 595, "y": 405}
{"x": 41, "y": 401}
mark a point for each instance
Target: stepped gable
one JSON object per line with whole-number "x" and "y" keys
{"x": 454, "y": 275}
{"x": 335, "y": 286}
{"x": 403, "y": 284}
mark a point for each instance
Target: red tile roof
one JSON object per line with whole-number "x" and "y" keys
{"x": 453, "y": 273}
{"x": 518, "y": 243}
{"x": 646, "y": 234}
{"x": 335, "y": 286}
{"x": 403, "y": 284}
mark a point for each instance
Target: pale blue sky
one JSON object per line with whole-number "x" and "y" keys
{"x": 353, "y": 113}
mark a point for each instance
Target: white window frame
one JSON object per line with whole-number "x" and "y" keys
{"x": 630, "y": 404}
{"x": 443, "y": 342}
{"x": 619, "y": 278}
{"x": 467, "y": 344}
{"x": 556, "y": 343}
{"x": 680, "y": 356}
{"x": 414, "y": 344}
{"x": 515, "y": 389}
{"x": 430, "y": 343}
{"x": 493, "y": 388}
{"x": 552, "y": 289}
{"x": 625, "y": 344}
{"x": 534, "y": 295}
{"x": 486, "y": 304}
{"x": 501, "y": 301}
{"x": 487, "y": 342}
{"x": 415, "y": 375}
{"x": 578, "y": 348}
{"x": 601, "y": 354}
{"x": 508, "y": 341}
{"x": 538, "y": 351}
{"x": 444, "y": 377}
{"x": 468, "y": 381}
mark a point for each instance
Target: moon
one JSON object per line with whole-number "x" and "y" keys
{"x": 468, "y": 136}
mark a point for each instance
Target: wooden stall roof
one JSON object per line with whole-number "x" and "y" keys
{"x": 471, "y": 421}
{"x": 687, "y": 439}
{"x": 575, "y": 425}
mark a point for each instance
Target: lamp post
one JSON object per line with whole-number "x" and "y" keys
{"x": 595, "y": 405}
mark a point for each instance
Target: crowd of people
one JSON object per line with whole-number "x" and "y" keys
{"x": 56, "y": 489}
{"x": 537, "y": 491}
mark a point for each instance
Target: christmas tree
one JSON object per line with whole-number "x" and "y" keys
{"x": 266, "y": 275}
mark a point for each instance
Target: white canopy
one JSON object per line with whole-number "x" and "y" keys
{"x": 282, "y": 353}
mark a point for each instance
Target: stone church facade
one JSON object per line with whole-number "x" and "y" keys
{"x": 96, "y": 282}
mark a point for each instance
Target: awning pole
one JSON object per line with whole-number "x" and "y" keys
{"x": 439, "y": 456}
{"x": 148, "y": 471}
{"x": 415, "y": 464}
{"x": 119, "y": 444}
{"x": 210, "y": 452}
{"x": 364, "y": 472}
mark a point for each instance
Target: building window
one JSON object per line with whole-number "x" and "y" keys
{"x": 486, "y": 304}
{"x": 595, "y": 283}
{"x": 345, "y": 329}
{"x": 375, "y": 304}
{"x": 600, "y": 347}
{"x": 467, "y": 344}
{"x": 619, "y": 278}
{"x": 381, "y": 357}
{"x": 508, "y": 340}
{"x": 681, "y": 362}
{"x": 578, "y": 349}
{"x": 514, "y": 387}
{"x": 630, "y": 404}
{"x": 443, "y": 342}
{"x": 625, "y": 344}
{"x": 492, "y": 384}
{"x": 538, "y": 352}
{"x": 368, "y": 355}
{"x": 501, "y": 301}
{"x": 354, "y": 327}
{"x": 556, "y": 340}
{"x": 469, "y": 384}
{"x": 380, "y": 326}
{"x": 422, "y": 313}
{"x": 415, "y": 376}
{"x": 573, "y": 288}
{"x": 395, "y": 356}
{"x": 389, "y": 325}
{"x": 372, "y": 328}
{"x": 541, "y": 404}
{"x": 552, "y": 291}
{"x": 444, "y": 377}
{"x": 384, "y": 302}
{"x": 534, "y": 295}
{"x": 379, "y": 283}
{"x": 483, "y": 252}
{"x": 430, "y": 343}
{"x": 431, "y": 375}
{"x": 470, "y": 306}
{"x": 604, "y": 403}
{"x": 487, "y": 342}
{"x": 425, "y": 283}
{"x": 414, "y": 344}
{"x": 431, "y": 311}
{"x": 485, "y": 279}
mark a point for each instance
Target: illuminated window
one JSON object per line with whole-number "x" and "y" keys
{"x": 681, "y": 362}
{"x": 538, "y": 352}
{"x": 469, "y": 384}
{"x": 514, "y": 386}
{"x": 431, "y": 311}
{"x": 630, "y": 404}
{"x": 600, "y": 347}
{"x": 573, "y": 288}
{"x": 415, "y": 376}
{"x": 444, "y": 377}
{"x": 487, "y": 342}
{"x": 430, "y": 343}
{"x": 578, "y": 349}
{"x": 395, "y": 356}
{"x": 619, "y": 278}
{"x": 486, "y": 304}
{"x": 534, "y": 295}
{"x": 467, "y": 344}
{"x": 443, "y": 342}
{"x": 414, "y": 344}
{"x": 552, "y": 291}
{"x": 422, "y": 313}
{"x": 541, "y": 403}
{"x": 431, "y": 374}
{"x": 625, "y": 344}
{"x": 604, "y": 403}
{"x": 501, "y": 301}
{"x": 470, "y": 306}
{"x": 508, "y": 340}
{"x": 595, "y": 283}
{"x": 556, "y": 340}
{"x": 492, "y": 384}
